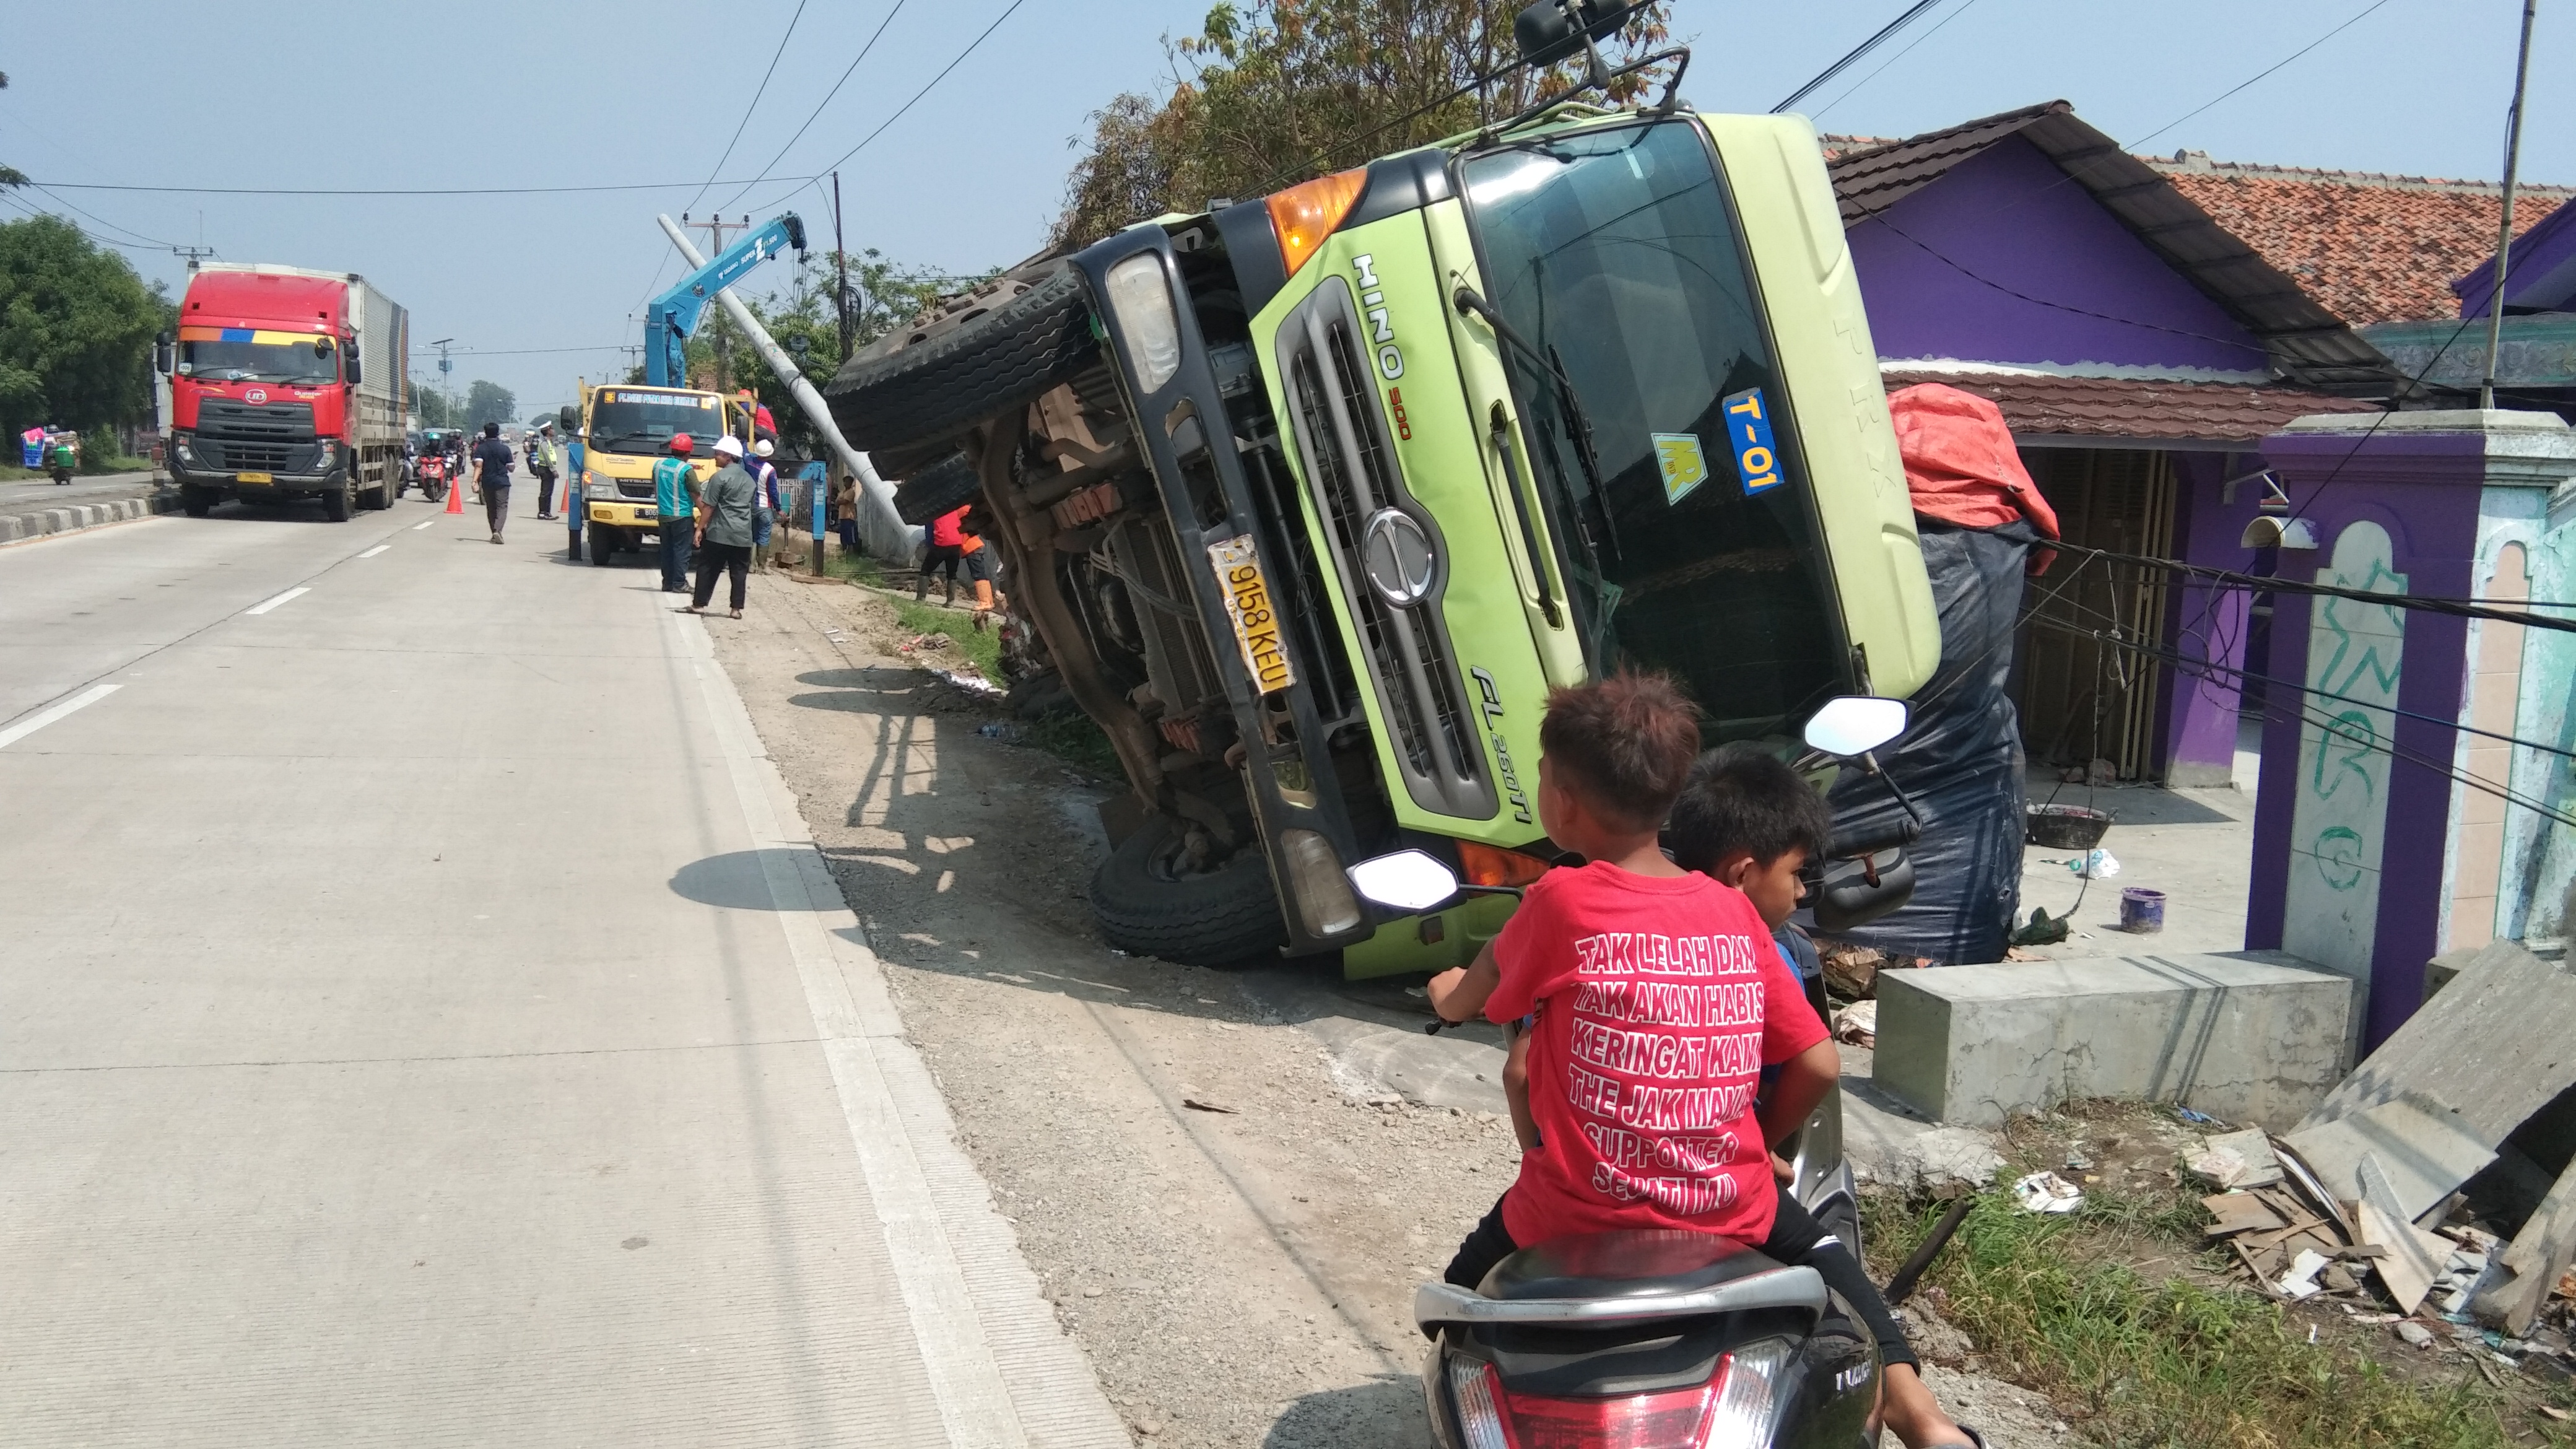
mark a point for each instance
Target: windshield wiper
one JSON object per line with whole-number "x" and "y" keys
{"x": 1578, "y": 422}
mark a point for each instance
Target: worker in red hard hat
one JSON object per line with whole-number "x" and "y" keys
{"x": 675, "y": 504}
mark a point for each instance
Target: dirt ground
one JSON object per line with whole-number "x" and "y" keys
{"x": 1229, "y": 1204}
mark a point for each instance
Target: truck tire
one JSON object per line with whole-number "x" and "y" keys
{"x": 381, "y": 496}
{"x": 943, "y": 487}
{"x": 197, "y": 501}
{"x": 1009, "y": 341}
{"x": 603, "y": 544}
{"x": 1147, "y": 905}
{"x": 335, "y": 504}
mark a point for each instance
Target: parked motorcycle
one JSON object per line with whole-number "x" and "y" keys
{"x": 1661, "y": 1339}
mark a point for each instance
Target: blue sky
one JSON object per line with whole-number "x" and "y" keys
{"x": 548, "y": 92}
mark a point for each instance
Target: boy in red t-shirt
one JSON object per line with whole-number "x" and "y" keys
{"x": 1659, "y": 998}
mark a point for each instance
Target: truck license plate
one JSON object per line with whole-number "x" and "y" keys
{"x": 253, "y": 478}
{"x": 1256, "y": 620}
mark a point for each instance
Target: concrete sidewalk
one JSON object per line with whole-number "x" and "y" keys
{"x": 426, "y": 1021}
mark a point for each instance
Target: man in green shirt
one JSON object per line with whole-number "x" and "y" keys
{"x": 724, "y": 528}
{"x": 675, "y": 507}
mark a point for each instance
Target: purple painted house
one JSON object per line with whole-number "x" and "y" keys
{"x": 2140, "y": 353}
{"x": 2175, "y": 394}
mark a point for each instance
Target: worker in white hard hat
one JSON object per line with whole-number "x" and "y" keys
{"x": 766, "y": 504}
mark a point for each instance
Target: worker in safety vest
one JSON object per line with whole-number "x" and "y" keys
{"x": 542, "y": 461}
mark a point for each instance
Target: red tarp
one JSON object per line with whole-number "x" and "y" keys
{"x": 1961, "y": 466}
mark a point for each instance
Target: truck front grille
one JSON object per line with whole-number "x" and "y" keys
{"x": 1351, "y": 474}
{"x": 286, "y": 422}
{"x": 232, "y": 455}
{"x": 635, "y": 488}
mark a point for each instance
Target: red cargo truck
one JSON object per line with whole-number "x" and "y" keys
{"x": 285, "y": 384}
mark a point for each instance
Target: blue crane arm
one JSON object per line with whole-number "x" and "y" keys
{"x": 672, "y": 317}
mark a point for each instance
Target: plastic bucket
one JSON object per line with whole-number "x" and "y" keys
{"x": 2142, "y": 911}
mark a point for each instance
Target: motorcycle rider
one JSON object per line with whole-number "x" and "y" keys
{"x": 1613, "y": 757}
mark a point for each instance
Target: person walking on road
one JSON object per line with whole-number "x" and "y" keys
{"x": 724, "y": 528}
{"x": 494, "y": 458}
{"x": 765, "y": 502}
{"x": 541, "y": 461}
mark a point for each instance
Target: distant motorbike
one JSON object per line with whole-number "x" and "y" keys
{"x": 1672, "y": 1340}
{"x": 58, "y": 464}
{"x": 430, "y": 471}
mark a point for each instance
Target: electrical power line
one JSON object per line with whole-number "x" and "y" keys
{"x": 1912, "y": 13}
{"x": 389, "y": 190}
{"x": 971, "y": 47}
{"x": 1854, "y": 87}
{"x": 2258, "y": 75}
{"x": 736, "y": 137}
{"x": 816, "y": 114}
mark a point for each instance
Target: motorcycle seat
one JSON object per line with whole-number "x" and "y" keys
{"x": 1637, "y": 1263}
{"x": 1614, "y": 1277}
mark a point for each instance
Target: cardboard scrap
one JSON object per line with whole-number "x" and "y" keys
{"x": 2253, "y": 1148}
{"x": 2239, "y": 1212}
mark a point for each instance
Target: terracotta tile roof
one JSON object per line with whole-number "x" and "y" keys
{"x": 2370, "y": 247}
{"x": 2307, "y": 342}
{"x": 2089, "y": 407}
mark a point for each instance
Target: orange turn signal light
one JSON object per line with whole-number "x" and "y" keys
{"x": 1485, "y": 865}
{"x": 1305, "y": 214}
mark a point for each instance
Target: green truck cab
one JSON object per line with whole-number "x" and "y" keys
{"x": 1313, "y": 498}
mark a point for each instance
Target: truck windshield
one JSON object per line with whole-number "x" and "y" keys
{"x": 623, "y": 421}
{"x": 259, "y": 362}
{"x": 1615, "y": 254}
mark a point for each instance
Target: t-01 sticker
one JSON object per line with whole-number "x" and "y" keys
{"x": 1679, "y": 459}
{"x": 1748, "y": 432}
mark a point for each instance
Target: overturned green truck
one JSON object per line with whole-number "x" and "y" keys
{"x": 1313, "y": 498}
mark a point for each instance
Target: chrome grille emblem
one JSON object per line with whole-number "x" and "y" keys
{"x": 1396, "y": 555}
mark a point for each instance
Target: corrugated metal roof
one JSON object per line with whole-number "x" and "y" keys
{"x": 2308, "y": 344}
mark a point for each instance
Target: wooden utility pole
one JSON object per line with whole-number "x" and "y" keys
{"x": 841, "y": 269}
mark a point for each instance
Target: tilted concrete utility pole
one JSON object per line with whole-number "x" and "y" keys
{"x": 886, "y": 535}
{"x": 2504, "y": 226}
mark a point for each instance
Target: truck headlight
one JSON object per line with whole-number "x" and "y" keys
{"x": 328, "y": 454}
{"x": 598, "y": 489}
{"x": 179, "y": 445}
{"x": 1141, "y": 300}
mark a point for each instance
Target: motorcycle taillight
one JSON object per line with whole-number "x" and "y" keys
{"x": 1731, "y": 1411}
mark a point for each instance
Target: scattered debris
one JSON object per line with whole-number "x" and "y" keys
{"x": 1198, "y": 1106}
{"x": 1857, "y": 1023}
{"x": 1851, "y": 971}
{"x": 2042, "y": 930}
{"x": 2236, "y": 1159}
{"x": 2046, "y": 1192}
{"x": 2095, "y": 864}
{"x": 2535, "y": 1263}
{"x": 2424, "y": 1144}
{"x": 2301, "y": 1280}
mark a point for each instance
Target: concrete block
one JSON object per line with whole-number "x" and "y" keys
{"x": 2244, "y": 1039}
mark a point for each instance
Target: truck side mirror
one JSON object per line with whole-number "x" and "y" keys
{"x": 350, "y": 358}
{"x": 567, "y": 419}
{"x": 163, "y": 349}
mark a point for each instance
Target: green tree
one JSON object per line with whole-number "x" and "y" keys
{"x": 489, "y": 402}
{"x": 76, "y": 330}
{"x": 1273, "y": 91}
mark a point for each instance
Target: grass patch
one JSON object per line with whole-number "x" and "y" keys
{"x": 982, "y": 647}
{"x": 856, "y": 567}
{"x": 2170, "y": 1362}
{"x": 1073, "y": 738}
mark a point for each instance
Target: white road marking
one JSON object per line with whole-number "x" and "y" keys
{"x": 273, "y": 603}
{"x": 379, "y": 548}
{"x": 82, "y": 700}
{"x": 971, "y": 1298}
{"x": 424, "y": 523}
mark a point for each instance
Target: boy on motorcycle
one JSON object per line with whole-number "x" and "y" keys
{"x": 1641, "y": 1127}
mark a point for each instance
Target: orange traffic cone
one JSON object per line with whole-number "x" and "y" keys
{"x": 456, "y": 495}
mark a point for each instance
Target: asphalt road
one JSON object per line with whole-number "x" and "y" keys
{"x": 425, "y": 1020}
